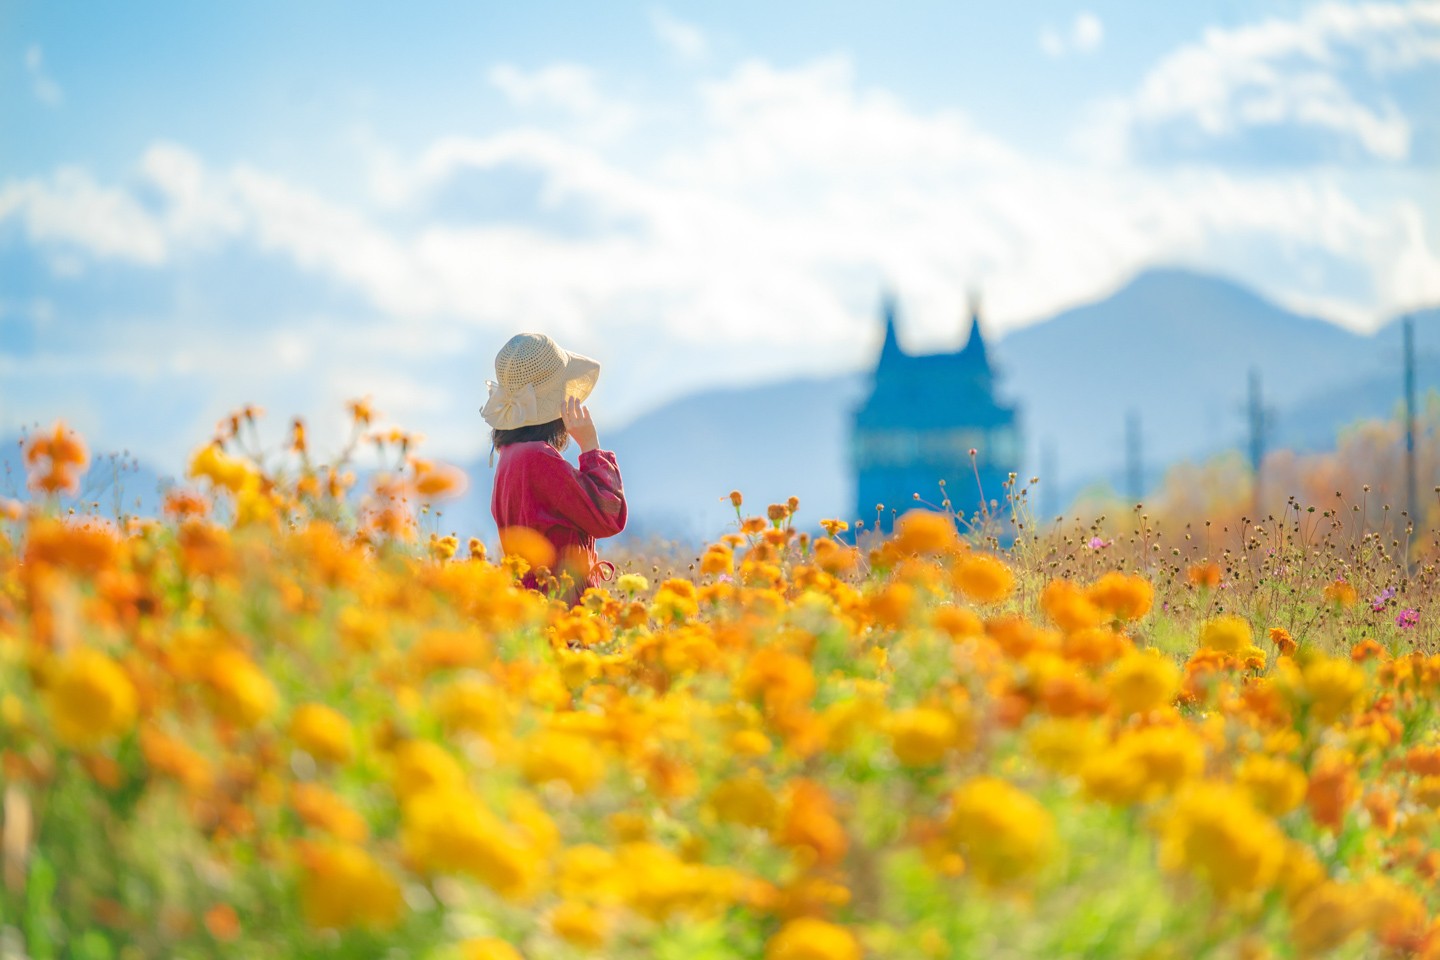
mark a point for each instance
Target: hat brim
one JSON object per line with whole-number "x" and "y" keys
{"x": 581, "y": 373}
{"x": 576, "y": 379}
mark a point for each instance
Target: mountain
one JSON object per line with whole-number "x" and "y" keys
{"x": 1177, "y": 348}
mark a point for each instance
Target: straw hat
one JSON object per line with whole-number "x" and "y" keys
{"x": 535, "y": 378}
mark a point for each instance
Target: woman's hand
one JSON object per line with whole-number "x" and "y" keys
{"x": 579, "y": 425}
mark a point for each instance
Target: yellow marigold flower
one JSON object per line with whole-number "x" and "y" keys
{"x": 1068, "y": 607}
{"x": 324, "y": 810}
{"x": 1143, "y": 681}
{"x": 807, "y": 938}
{"x": 750, "y": 743}
{"x": 1122, "y": 596}
{"x": 1004, "y": 833}
{"x": 550, "y": 755}
{"x": 1335, "y": 687}
{"x": 1063, "y": 744}
{"x": 1144, "y": 764}
{"x": 1394, "y": 912}
{"x": 983, "y": 579}
{"x": 1227, "y": 634}
{"x": 488, "y": 948}
{"x": 243, "y": 694}
{"x": 90, "y": 699}
{"x": 1426, "y": 791}
{"x": 472, "y": 705}
{"x": 745, "y": 800}
{"x": 1275, "y": 785}
{"x": 1213, "y": 830}
{"x": 579, "y": 925}
{"x": 1252, "y": 657}
{"x": 452, "y": 830}
{"x": 632, "y": 583}
{"x": 221, "y": 469}
{"x": 1326, "y": 917}
{"x": 343, "y": 887}
{"x": 1341, "y": 593}
{"x": 323, "y": 733}
{"x": 660, "y": 884}
{"x": 924, "y": 532}
{"x": 421, "y": 767}
{"x": 675, "y": 600}
{"x": 922, "y": 736}
{"x": 588, "y": 872}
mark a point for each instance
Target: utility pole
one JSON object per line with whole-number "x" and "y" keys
{"x": 1410, "y": 421}
{"x": 1134, "y": 467}
{"x": 1257, "y": 433}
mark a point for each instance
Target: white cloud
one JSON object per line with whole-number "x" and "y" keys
{"x": 46, "y": 90}
{"x": 754, "y": 236}
{"x": 685, "y": 40}
{"x": 1302, "y": 73}
{"x": 71, "y": 209}
{"x": 569, "y": 88}
{"x": 1085, "y": 35}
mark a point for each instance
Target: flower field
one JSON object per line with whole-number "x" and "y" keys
{"x": 282, "y": 722}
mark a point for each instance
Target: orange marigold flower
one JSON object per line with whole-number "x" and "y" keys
{"x": 1331, "y": 791}
{"x": 1368, "y": 649}
{"x": 808, "y": 822}
{"x": 222, "y": 922}
{"x": 1203, "y": 575}
{"x": 718, "y": 560}
{"x": 324, "y": 810}
{"x": 1341, "y": 593}
{"x": 923, "y": 532}
{"x": 1122, "y": 596}
{"x": 983, "y": 579}
{"x": 808, "y": 938}
{"x": 1068, "y": 607}
{"x": 1283, "y": 641}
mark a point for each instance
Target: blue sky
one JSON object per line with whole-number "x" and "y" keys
{"x": 208, "y": 204}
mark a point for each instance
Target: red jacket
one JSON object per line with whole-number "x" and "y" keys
{"x": 535, "y": 487}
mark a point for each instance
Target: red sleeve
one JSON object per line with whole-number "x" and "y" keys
{"x": 592, "y": 497}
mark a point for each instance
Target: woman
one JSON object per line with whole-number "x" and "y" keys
{"x": 534, "y": 410}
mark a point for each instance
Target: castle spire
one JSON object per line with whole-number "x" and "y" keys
{"x": 891, "y": 347}
{"x": 974, "y": 350}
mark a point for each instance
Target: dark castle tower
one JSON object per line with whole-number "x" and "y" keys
{"x": 920, "y": 422}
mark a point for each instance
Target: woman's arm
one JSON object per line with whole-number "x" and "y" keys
{"x": 593, "y": 497}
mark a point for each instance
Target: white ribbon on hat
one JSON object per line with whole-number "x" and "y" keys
{"x": 505, "y": 410}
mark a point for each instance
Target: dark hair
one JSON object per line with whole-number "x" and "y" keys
{"x": 552, "y": 433}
